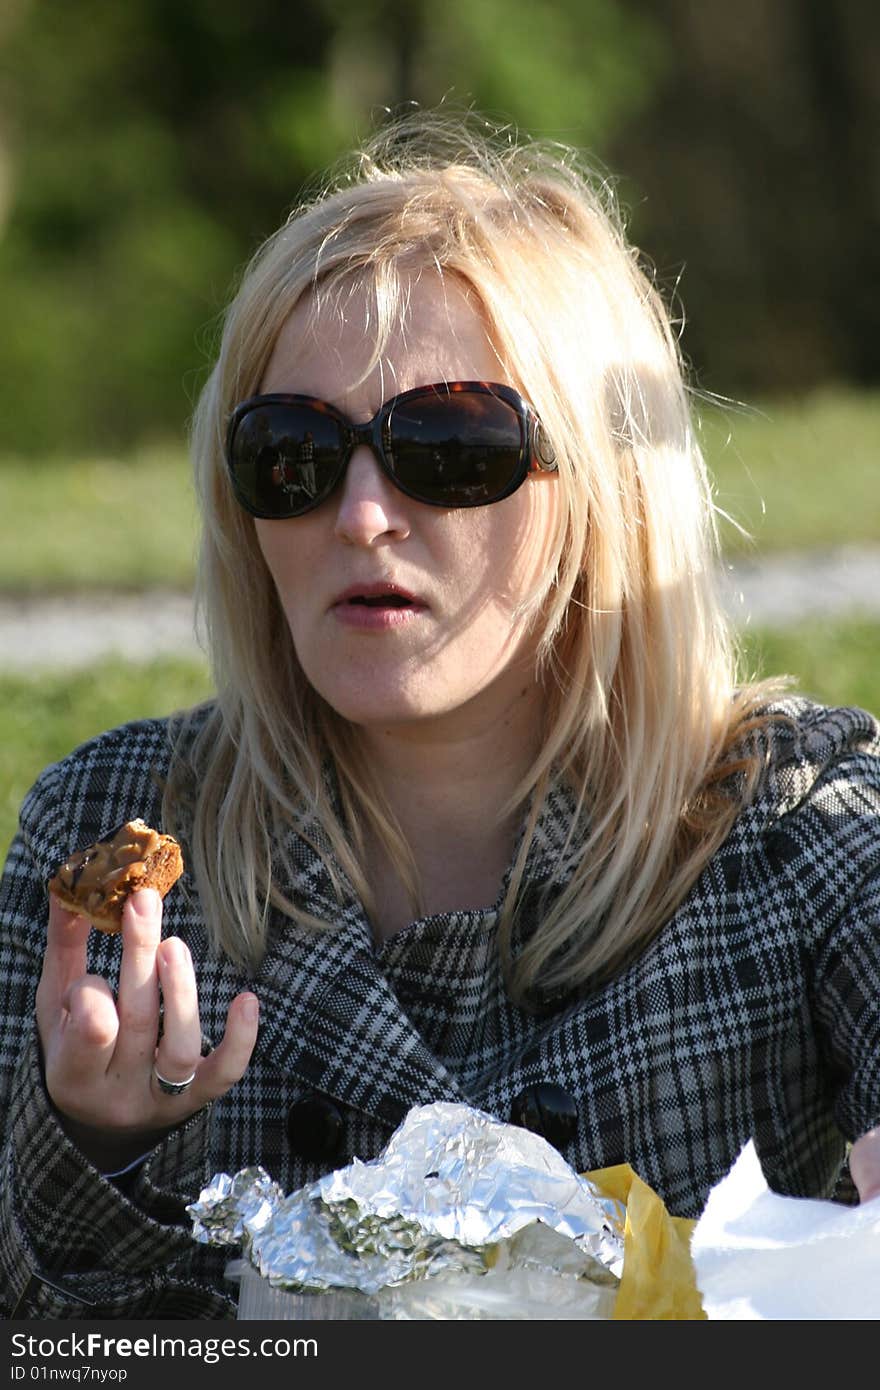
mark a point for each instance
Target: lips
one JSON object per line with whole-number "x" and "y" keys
{"x": 377, "y": 596}
{"x": 364, "y": 609}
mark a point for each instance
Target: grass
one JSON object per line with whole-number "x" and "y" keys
{"x": 794, "y": 474}
{"x": 834, "y": 662}
{"x": 97, "y": 523}
{"x": 43, "y": 719}
{"x": 798, "y": 474}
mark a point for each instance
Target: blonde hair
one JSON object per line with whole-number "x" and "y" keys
{"x": 636, "y": 654}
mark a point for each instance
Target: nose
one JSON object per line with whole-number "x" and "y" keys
{"x": 370, "y": 509}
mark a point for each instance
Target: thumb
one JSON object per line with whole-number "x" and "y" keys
{"x": 864, "y": 1164}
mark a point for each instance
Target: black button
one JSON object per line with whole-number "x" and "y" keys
{"x": 546, "y": 1109}
{"x": 781, "y": 850}
{"x": 731, "y": 870}
{"x": 315, "y": 1127}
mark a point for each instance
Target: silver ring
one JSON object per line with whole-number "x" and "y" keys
{"x": 172, "y": 1088}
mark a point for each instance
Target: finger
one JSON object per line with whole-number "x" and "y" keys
{"x": 63, "y": 962}
{"x": 138, "y": 995}
{"x": 179, "y": 1050}
{"x": 864, "y": 1164}
{"x": 228, "y": 1062}
{"x": 81, "y": 1045}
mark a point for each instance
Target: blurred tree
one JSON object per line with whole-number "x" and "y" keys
{"x": 152, "y": 145}
{"x": 146, "y": 148}
{"x": 756, "y": 167}
{"x": 569, "y": 69}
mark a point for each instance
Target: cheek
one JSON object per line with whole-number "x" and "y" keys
{"x": 284, "y": 550}
{"x": 291, "y": 569}
{"x": 269, "y": 541}
{"x": 501, "y": 558}
{"x": 517, "y": 544}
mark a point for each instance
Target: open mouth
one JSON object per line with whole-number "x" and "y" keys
{"x": 382, "y": 601}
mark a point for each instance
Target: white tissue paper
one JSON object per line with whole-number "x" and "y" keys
{"x": 761, "y": 1256}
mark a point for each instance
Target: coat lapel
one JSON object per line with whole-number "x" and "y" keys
{"x": 330, "y": 1016}
{"x": 331, "y": 1019}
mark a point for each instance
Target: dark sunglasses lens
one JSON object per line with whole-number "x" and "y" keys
{"x": 285, "y": 458}
{"x": 454, "y": 449}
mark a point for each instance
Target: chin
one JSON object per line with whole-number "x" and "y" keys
{"x": 374, "y": 710}
{"x": 379, "y": 717}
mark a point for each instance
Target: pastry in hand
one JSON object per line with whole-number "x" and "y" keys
{"x": 96, "y": 882}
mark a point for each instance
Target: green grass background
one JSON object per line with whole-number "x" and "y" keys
{"x": 793, "y": 474}
{"x": 796, "y": 475}
{"x": 72, "y": 523}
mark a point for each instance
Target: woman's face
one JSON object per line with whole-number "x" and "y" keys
{"x": 456, "y": 652}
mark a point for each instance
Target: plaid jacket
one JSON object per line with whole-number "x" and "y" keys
{"x": 755, "y": 1012}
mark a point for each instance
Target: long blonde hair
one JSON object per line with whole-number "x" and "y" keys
{"x": 637, "y": 657}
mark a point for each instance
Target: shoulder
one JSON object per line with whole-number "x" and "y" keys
{"x": 816, "y": 811}
{"x": 800, "y": 735}
{"x": 116, "y": 776}
{"x": 806, "y": 747}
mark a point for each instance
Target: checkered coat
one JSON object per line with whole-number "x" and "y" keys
{"x": 755, "y": 1012}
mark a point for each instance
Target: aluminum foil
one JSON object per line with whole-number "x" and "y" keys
{"x": 455, "y": 1196}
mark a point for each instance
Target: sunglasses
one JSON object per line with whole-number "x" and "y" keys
{"x": 456, "y": 444}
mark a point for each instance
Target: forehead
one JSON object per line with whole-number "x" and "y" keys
{"x": 355, "y": 347}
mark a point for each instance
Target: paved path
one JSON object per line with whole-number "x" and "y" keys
{"x": 63, "y": 632}
{"x": 69, "y": 631}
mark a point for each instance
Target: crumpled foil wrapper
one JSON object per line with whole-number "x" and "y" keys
{"x": 455, "y": 1195}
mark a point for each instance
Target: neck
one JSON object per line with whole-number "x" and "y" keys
{"x": 448, "y": 787}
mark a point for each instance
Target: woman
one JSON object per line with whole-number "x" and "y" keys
{"x": 479, "y": 812}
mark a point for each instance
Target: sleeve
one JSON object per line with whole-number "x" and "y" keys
{"x": 845, "y": 897}
{"x": 73, "y": 1244}
{"x": 848, "y": 1007}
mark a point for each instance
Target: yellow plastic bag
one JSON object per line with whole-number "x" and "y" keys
{"x": 658, "y": 1280}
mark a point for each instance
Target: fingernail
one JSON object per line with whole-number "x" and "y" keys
{"x": 145, "y": 903}
{"x": 174, "y": 951}
{"x": 251, "y": 1008}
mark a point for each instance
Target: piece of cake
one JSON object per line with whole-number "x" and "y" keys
{"x": 96, "y": 882}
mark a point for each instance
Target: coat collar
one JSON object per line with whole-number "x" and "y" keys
{"x": 330, "y": 1016}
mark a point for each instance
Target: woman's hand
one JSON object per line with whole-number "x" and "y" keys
{"x": 864, "y": 1164}
{"x": 101, "y": 1054}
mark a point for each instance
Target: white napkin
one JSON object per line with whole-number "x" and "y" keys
{"x": 761, "y": 1256}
